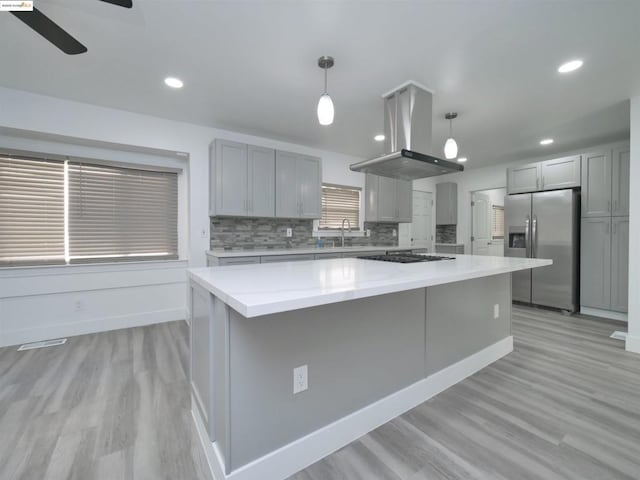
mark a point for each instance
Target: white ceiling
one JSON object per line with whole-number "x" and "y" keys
{"x": 251, "y": 66}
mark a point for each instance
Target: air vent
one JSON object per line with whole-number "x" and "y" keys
{"x": 617, "y": 335}
{"x": 43, "y": 344}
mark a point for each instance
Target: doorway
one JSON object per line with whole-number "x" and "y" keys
{"x": 419, "y": 233}
{"x": 487, "y": 222}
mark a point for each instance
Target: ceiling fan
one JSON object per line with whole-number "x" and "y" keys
{"x": 50, "y": 30}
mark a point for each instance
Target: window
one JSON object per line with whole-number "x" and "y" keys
{"x": 497, "y": 222}
{"x": 338, "y": 203}
{"x": 64, "y": 212}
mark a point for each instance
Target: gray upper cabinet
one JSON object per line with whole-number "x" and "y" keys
{"x": 387, "y": 199}
{"x": 298, "y": 186}
{"x": 596, "y": 184}
{"x": 261, "y": 169}
{"x": 309, "y": 183}
{"x": 242, "y": 180}
{"x": 595, "y": 263}
{"x": 447, "y": 203}
{"x": 619, "y": 263}
{"x": 228, "y": 178}
{"x": 560, "y": 173}
{"x": 523, "y": 179}
{"x": 620, "y": 182}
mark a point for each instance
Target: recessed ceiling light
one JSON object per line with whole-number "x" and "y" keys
{"x": 570, "y": 66}
{"x": 462, "y": 159}
{"x": 546, "y": 141}
{"x": 173, "y": 82}
{"x": 379, "y": 138}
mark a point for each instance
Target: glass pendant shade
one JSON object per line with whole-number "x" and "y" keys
{"x": 450, "y": 149}
{"x": 325, "y": 110}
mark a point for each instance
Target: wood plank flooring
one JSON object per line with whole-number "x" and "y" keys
{"x": 115, "y": 405}
{"x": 112, "y": 405}
{"x": 564, "y": 405}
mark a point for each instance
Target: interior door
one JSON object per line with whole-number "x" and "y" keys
{"x": 422, "y": 220}
{"x": 480, "y": 224}
{"x": 517, "y": 221}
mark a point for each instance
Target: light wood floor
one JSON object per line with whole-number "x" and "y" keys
{"x": 565, "y": 404}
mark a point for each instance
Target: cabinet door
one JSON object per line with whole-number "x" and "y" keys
{"x": 287, "y": 205}
{"x": 404, "y": 200}
{"x": 620, "y": 184}
{"x": 387, "y": 200}
{"x": 561, "y": 173}
{"x": 239, "y": 260}
{"x": 261, "y": 166}
{"x": 309, "y": 181}
{"x": 230, "y": 178}
{"x": 286, "y": 258}
{"x": 595, "y": 263}
{"x": 619, "y": 263}
{"x": 446, "y": 203}
{"x": 524, "y": 179}
{"x": 596, "y": 184}
{"x": 371, "y": 186}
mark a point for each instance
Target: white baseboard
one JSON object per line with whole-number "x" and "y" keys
{"x": 633, "y": 343}
{"x": 27, "y": 335}
{"x": 596, "y": 312}
{"x": 307, "y": 450}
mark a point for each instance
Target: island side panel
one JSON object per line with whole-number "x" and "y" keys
{"x": 357, "y": 352}
{"x": 460, "y": 319}
{"x": 221, "y": 391}
{"x": 201, "y": 337}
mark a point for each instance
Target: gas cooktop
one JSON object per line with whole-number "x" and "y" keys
{"x": 405, "y": 258}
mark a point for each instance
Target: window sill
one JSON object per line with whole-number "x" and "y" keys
{"x": 337, "y": 233}
{"x": 40, "y": 270}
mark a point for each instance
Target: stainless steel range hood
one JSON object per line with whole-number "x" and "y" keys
{"x": 407, "y": 130}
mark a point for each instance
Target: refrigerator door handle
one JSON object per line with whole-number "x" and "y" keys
{"x": 527, "y": 237}
{"x": 534, "y": 239}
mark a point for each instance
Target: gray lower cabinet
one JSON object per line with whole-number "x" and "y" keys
{"x": 523, "y": 179}
{"x": 619, "y": 263}
{"x": 388, "y": 199}
{"x": 298, "y": 186}
{"x": 242, "y": 180}
{"x": 286, "y": 258}
{"x": 459, "y": 249}
{"x": 596, "y": 184}
{"x": 447, "y": 203}
{"x": 219, "y": 261}
{"x": 620, "y": 182}
{"x": 561, "y": 173}
{"x": 595, "y": 262}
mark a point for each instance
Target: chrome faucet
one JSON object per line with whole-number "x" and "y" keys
{"x": 342, "y": 228}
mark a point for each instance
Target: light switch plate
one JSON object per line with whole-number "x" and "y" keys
{"x": 395, "y": 232}
{"x": 496, "y": 311}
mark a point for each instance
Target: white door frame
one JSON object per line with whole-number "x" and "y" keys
{"x": 432, "y": 245}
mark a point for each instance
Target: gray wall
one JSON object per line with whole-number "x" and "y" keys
{"x": 357, "y": 352}
{"x": 249, "y": 233}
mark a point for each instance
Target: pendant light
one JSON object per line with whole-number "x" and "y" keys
{"x": 450, "y": 146}
{"x": 325, "y": 104}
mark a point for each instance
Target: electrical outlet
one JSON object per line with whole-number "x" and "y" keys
{"x": 289, "y": 232}
{"x": 395, "y": 232}
{"x": 78, "y": 306}
{"x": 496, "y": 311}
{"x": 300, "y": 379}
{"x": 368, "y": 232}
{"x": 203, "y": 233}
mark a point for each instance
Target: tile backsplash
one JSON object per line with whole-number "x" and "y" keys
{"x": 446, "y": 233}
{"x": 251, "y": 233}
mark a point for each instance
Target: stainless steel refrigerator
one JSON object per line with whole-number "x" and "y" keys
{"x": 545, "y": 225}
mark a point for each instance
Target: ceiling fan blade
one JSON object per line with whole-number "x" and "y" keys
{"x": 120, "y": 3}
{"x": 50, "y": 30}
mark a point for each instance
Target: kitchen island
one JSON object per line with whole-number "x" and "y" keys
{"x": 374, "y": 339}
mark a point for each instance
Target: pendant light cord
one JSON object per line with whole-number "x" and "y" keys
{"x": 325, "y": 80}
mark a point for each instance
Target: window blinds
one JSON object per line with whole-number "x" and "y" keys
{"x": 31, "y": 211}
{"x": 339, "y": 203}
{"x": 120, "y": 213}
{"x": 497, "y": 221}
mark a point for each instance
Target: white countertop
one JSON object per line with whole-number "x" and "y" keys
{"x": 261, "y": 289}
{"x": 301, "y": 251}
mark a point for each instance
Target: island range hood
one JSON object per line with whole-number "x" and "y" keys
{"x": 407, "y": 131}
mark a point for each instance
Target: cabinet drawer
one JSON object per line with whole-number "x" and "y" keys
{"x": 238, "y": 260}
{"x": 327, "y": 256}
{"x": 286, "y": 258}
